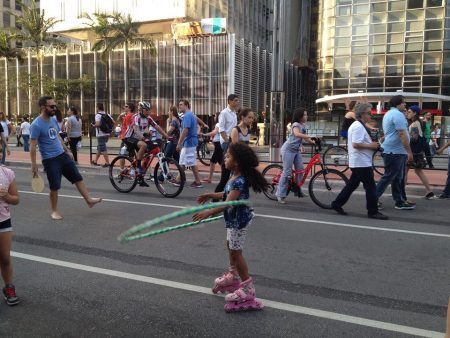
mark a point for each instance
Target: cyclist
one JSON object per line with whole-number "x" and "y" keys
{"x": 139, "y": 136}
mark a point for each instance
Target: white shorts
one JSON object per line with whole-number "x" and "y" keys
{"x": 236, "y": 238}
{"x": 188, "y": 156}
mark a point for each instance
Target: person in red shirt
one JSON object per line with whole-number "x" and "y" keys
{"x": 124, "y": 120}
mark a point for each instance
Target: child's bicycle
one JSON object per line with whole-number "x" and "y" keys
{"x": 324, "y": 185}
{"x": 168, "y": 175}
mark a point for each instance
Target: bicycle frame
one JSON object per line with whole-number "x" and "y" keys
{"x": 148, "y": 159}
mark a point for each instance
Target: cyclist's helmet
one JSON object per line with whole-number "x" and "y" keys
{"x": 145, "y": 105}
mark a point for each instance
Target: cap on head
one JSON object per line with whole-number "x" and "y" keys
{"x": 415, "y": 109}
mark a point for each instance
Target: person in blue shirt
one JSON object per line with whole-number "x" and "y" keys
{"x": 56, "y": 157}
{"x": 188, "y": 141}
{"x": 396, "y": 152}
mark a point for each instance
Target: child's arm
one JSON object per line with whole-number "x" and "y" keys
{"x": 232, "y": 196}
{"x": 203, "y": 198}
{"x": 10, "y": 196}
{"x": 212, "y": 133}
{"x": 439, "y": 151}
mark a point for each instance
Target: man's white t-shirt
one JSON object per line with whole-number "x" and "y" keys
{"x": 227, "y": 121}
{"x": 359, "y": 158}
{"x": 25, "y": 128}
{"x": 98, "y": 118}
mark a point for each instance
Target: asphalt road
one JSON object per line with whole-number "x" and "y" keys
{"x": 319, "y": 274}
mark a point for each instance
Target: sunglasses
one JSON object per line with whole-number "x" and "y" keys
{"x": 53, "y": 106}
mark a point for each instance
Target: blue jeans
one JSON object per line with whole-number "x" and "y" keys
{"x": 26, "y": 143}
{"x": 171, "y": 151}
{"x": 289, "y": 159}
{"x": 446, "y": 191}
{"x": 394, "y": 173}
{"x": 225, "y": 173}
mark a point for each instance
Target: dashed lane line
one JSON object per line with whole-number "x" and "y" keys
{"x": 300, "y": 220}
{"x": 268, "y": 303}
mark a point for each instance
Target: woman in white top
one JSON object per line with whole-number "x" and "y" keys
{"x": 25, "y": 129}
{"x": 73, "y": 128}
{"x": 416, "y": 135}
{"x": 217, "y": 155}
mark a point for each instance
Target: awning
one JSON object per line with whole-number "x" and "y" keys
{"x": 382, "y": 96}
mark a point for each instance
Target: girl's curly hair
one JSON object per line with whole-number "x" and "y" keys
{"x": 248, "y": 162}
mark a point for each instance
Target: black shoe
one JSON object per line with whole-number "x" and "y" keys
{"x": 378, "y": 215}
{"x": 142, "y": 182}
{"x": 444, "y": 197}
{"x": 301, "y": 194}
{"x": 9, "y": 292}
{"x": 339, "y": 210}
{"x": 404, "y": 206}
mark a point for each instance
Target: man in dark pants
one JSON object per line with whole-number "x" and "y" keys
{"x": 360, "y": 151}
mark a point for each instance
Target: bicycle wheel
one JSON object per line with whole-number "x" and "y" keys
{"x": 204, "y": 152}
{"x": 122, "y": 174}
{"x": 336, "y": 157}
{"x": 272, "y": 174}
{"x": 170, "y": 183}
{"x": 378, "y": 163}
{"x": 325, "y": 185}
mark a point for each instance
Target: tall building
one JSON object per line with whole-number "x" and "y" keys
{"x": 7, "y": 21}
{"x": 385, "y": 46}
{"x": 248, "y": 19}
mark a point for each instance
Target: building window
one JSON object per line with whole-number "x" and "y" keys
{"x": 18, "y": 6}
{"x": 6, "y": 20}
{"x": 6, "y": 3}
{"x": 434, "y": 3}
{"x": 415, "y": 4}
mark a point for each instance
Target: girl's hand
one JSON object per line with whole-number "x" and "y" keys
{"x": 3, "y": 192}
{"x": 201, "y": 215}
{"x": 203, "y": 198}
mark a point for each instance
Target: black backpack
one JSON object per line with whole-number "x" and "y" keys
{"x": 106, "y": 124}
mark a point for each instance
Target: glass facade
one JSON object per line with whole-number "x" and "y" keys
{"x": 384, "y": 46}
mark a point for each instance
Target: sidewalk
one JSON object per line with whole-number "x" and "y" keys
{"x": 18, "y": 157}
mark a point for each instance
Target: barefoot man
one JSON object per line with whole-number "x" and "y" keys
{"x": 56, "y": 157}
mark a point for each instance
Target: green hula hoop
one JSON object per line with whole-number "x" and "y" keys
{"x": 136, "y": 232}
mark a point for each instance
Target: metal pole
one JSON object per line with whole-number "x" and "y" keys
{"x": 18, "y": 90}
{"x": 110, "y": 83}
{"x": 157, "y": 74}
{"x": 30, "y": 94}
{"x": 67, "y": 71}
{"x": 210, "y": 78}
{"x": 174, "y": 74}
{"x": 125, "y": 73}
{"x": 7, "y": 89}
{"x": 141, "y": 71}
{"x": 81, "y": 76}
{"x": 277, "y": 94}
{"x": 231, "y": 62}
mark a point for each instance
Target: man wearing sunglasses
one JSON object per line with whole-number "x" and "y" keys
{"x": 56, "y": 157}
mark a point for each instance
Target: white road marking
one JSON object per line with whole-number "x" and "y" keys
{"x": 301, "y": 220}
{"x": 268, "y": 303}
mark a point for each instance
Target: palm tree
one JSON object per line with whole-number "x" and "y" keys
{"x": 35, "y": 29}
{"x": 102, "y": 27}
{"x": 6, "y": 50}
{"x": 125, "y": 32}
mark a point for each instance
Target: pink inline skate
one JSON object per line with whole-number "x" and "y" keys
{"x": 228, "y": 282}
{"x": 243, "y": 298}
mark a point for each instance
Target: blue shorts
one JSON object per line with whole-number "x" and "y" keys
{"x": 6, "y": 226}
{"x": 101, "y": 143}
{"x": 58, "y": 166}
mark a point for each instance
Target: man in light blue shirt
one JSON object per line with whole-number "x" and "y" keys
{"x": 396, "y": 152}
{"x": 56, "y": 157}
{"x": 188, "y": 141}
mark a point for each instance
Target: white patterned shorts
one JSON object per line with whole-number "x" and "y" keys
{"x": 236, "y": 238}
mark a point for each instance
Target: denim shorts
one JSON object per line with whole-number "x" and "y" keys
{"x": 101, "y": 143}
{"x": 61, "y": 165}
{"x": 6, "y": 226}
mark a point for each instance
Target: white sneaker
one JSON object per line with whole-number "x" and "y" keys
{"x": 281, "y": 200}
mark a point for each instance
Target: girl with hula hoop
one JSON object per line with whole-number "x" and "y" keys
{"x": 242, "y": 161}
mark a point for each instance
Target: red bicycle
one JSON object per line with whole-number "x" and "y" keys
{"x": 168, "y": 175}
{"x": 324, "y": 185}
